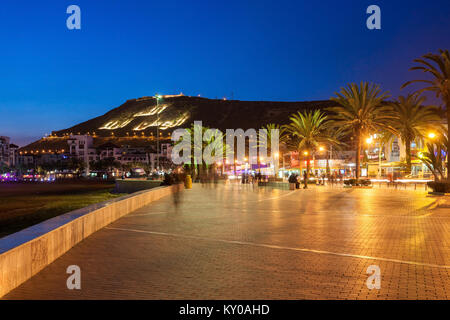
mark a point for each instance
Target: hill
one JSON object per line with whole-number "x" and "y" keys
{"x": 138, "y": 117}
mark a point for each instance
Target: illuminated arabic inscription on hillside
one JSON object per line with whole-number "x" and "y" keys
{"x": 152, "y": 111}
{"x": 162, "y": 125}
{"x": 116, "y": 124}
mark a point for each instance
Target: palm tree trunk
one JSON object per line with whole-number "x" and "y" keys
{"x": 358, "y": 153}
{"x": 408, "y": 156}
{"x": 308, "y": 167}
{"x": 381, "y": 145}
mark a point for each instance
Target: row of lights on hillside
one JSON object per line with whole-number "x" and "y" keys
{"x": 95, "y": 135}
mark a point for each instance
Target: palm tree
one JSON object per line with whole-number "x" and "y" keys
{"x": 412, "y": 120}
{"x": 198, "y": 145}
{"x": 360, "y": 111}
{"x": 439, "y": 84}
{"x": 308, "y": 131}
{"x": 433, "y": 158}
{"x": 265, "y": 141}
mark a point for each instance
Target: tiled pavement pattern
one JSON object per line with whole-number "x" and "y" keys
{"x": 240, "y": 242}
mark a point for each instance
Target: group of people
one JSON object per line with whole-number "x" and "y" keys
{"x": 320, "y": 180}
{"x": 250, "y": 178}
{"x": 295, "y": 178}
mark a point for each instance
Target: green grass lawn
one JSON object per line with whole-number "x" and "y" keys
{"x": 23, "y": 208}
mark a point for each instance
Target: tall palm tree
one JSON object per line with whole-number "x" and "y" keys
{"x": 412, "y": 120}
{"x": 360, "y": 110}
{"x": 199, "y": 143}
{"x": 439, "y": 83}
{"x": 308, "y": 131}
{"x": 265, "y": 141}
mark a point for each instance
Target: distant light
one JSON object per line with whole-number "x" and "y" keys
{"x": 369, "y": 140}
{"x": 305, "y": 153}
{"x": 432, "y": 135}
{"x": 321, "y": 148}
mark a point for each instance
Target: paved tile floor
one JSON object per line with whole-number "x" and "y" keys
{"x": 239, "y": 242}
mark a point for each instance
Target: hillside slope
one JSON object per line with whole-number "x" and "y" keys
{"x": 134, "y": 122}
{"x": 142, "y": 115}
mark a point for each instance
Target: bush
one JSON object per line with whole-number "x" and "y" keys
{"x": 365, "y": 182}
{"x": 350, "y": 182}
{"x": 172, "y": 178}
{"x": 361, "y": 182}
{"x": 443, "y": 187}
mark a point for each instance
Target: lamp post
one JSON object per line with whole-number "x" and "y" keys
{"x": 369, "y": 141}
{"x": 322, "y": 149}
{"x": 158, "y": 97}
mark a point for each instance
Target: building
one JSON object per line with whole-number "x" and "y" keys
{"x": 388, "y": 159}
{"x": 4, "y": 150}
{"x": 378, "y": 159}
{"x": 8, "y": 152}
{"x": 13, "y": 155}
{"x": 89, "y": 149}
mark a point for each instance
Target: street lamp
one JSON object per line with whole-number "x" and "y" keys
{"x": 432, "y": 135}
{"x": 157, "y": 97}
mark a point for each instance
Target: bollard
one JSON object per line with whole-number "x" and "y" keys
{"x": 188, "y": 182}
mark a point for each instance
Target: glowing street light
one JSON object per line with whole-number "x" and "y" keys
{"x": 369, "y": 140}
{"x": 321, "y": 148}
{"x": 305, "y": 153}
{"x": 158, "y": 97}
{"x": 432, "y": 135}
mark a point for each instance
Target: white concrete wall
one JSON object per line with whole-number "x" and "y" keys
{"x": 25, "y": 253}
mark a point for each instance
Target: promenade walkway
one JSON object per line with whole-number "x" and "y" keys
{"x": 243, "y": 242}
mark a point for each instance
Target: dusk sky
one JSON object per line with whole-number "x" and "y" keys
{"x": 52, "y": 78}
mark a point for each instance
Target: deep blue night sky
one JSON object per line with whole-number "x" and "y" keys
{"x": 52, "y": 77}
